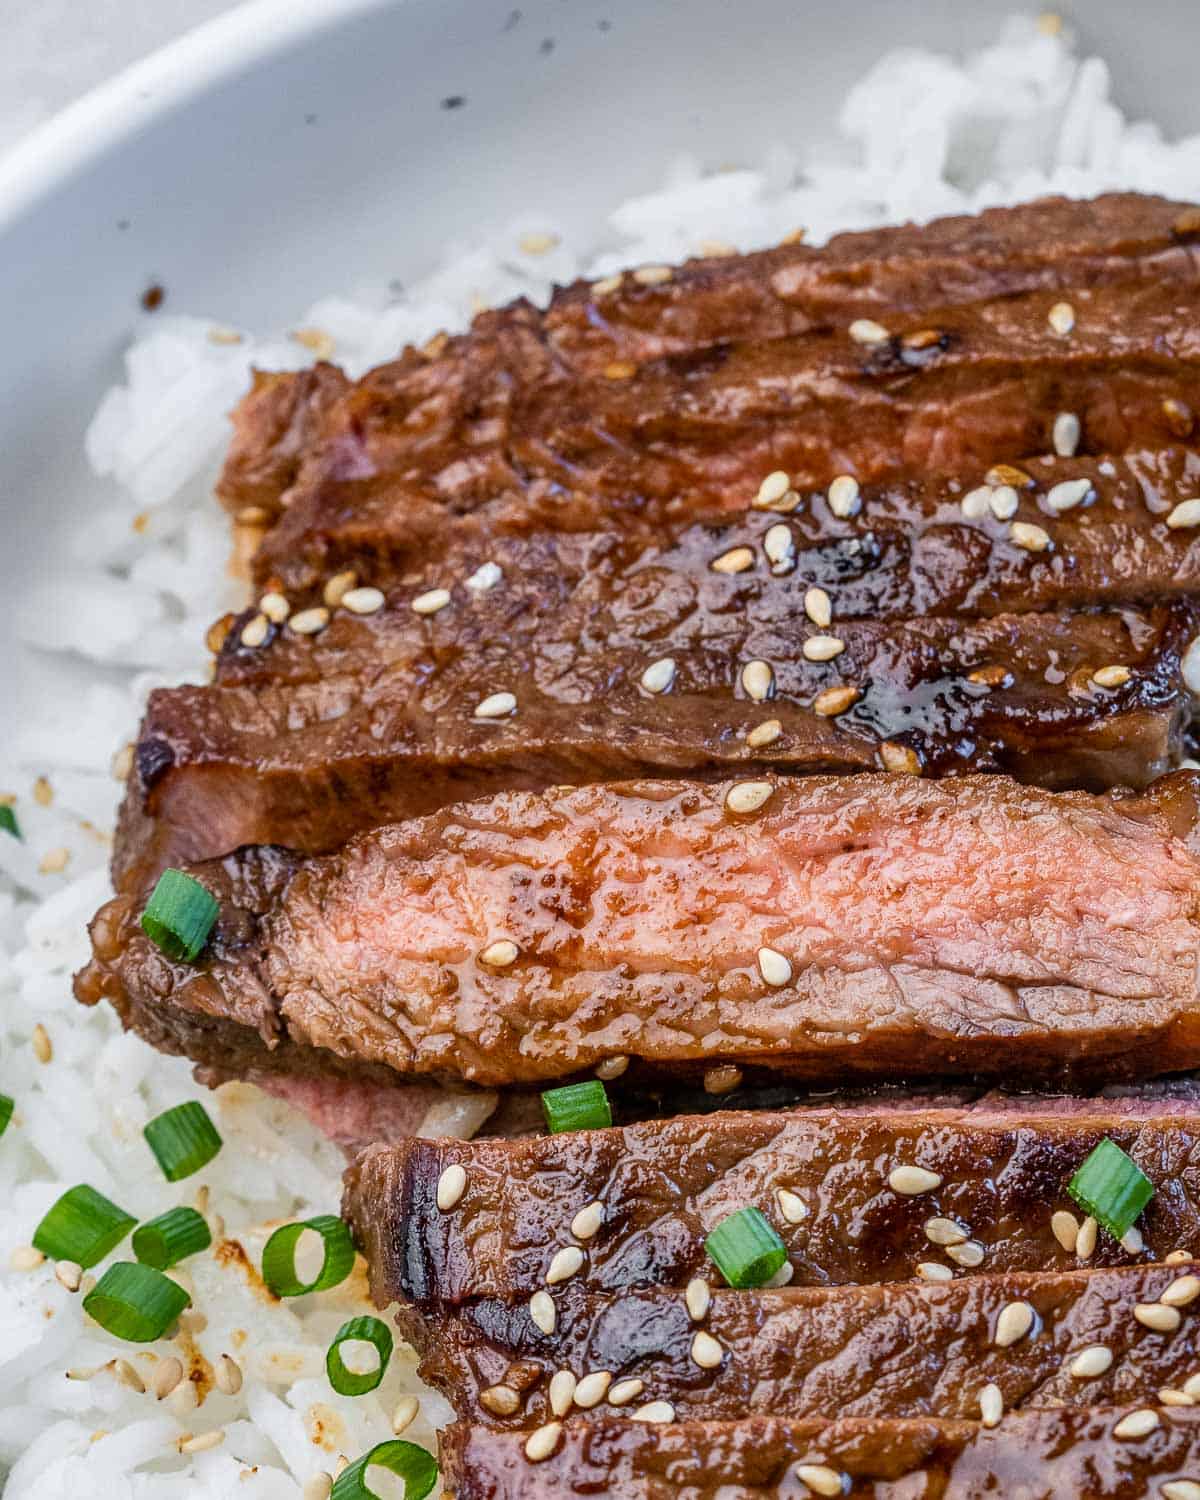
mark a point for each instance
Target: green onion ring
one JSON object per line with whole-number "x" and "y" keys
{"x": 345, "y": 1382}
{"x": 416, "y": 1466}
{"x": 279, "y": 1257}
{"x": 135, "y": 1302}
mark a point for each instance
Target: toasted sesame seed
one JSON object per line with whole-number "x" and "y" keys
{"x": 43, "y": 792}
{"x": 969, "y": 1255}
{"x": 452, "y": 1184}
{"x": 405, "y": 1413}
{"x": 976, "y": 503}
{"x": 817, "y": 607}
{"x": 586, "y": 1223}
{"x": 820, "y": 1478}
{"x": 706, "y": 1352}
{"x": 1179, "y": 417}
{"x": 124, "y": 1374}
{"x": 365, "y": 601}
{"x": 867, "y": 331}
{"x": 1137, "y": 1424}
{"x": 1187, "y": 224}
{"x": 68, "y": 1273}
{"x": 315, "y": 339}
{"x": 1014, "y": 1322}
{"x": 659, "y": 675}
{"x": 1185, "y": 514}
{"x": 931, "y": 1270}
{"x": 167, "y": 1375}
{"x": 1181, "y": 1489}
{"x": 561, "y": 1392}
{"x": 940, "y": 1231}
{"x": 500, "y": 954}
{"x": 1111, "y": 677}
{"x": 764, "y": 734}
{"x": 1066, "y": 434}
{"x": 122, "y": 763}
{"x": 772, "y": 490}
{"x": 1061, "y": 317}
{"x": 1003, "y": 502}
{"x": 625, "y": 1391}
{"x": 1192, "y": 1386}
{"x": 722, "y": 1080}
{"x": 1090, "y": 1362}
{"x": 564, "y": 1264}
{"x": 791, "y": 1205}
{"x": 844, "y": 497}
{"x": 255, "y": 631}
{"x": 1085, "y": 1244}
{"x": 541, "y": 1443}
{"x": 1132, "y": 1242}
{"x": 716, "y": 249}
{"x": 911, "y": 1180}
{"x": 537, "y": 242}
{"x": 203, "y": 1442}
{"x": 319, "y": 1487}
{"x": 922, "y": 338}
{"x": 43, "y": 1047}
{"x": 228, "y": 1375}
{"x": 606, "y": 285}
{"x": 774, "y": 967}
{"x": 822, "y": 647}
{"x": 1155, "y": 1316}
{"x": 991, "y": 1405}
{"x": 1064, "y": 1226}
{"x": 592, "y": 1389}
{"x": 993, "y": 675}
{"x": 337, "y": 587}
{"x": 1183, "y": 1289}
{"x": 652, "y": 275}
{"x": 833, "y": 701}
{"x": 901, "y": 760}
{"x": 611, "y": 1067}
{"x": 736, "y": 560}
{"x": 276, "y": 608}
{"x": 747, "y": 796}
{"x": 1067, "y": 494}
{"x": 496, "y": 706}
{"x": 542, "y": 1311}
{"x": 1002, "y": 474}
{"x": 778, "y": 545}
{"x": 310, "y": 621}
{"x": 1176, "y": 1257}
{"x": 758, "y": 680}
{"x": 501, "y": 1400}
{"x": 1168, "y": 1396}
{"x": 655, "y": 1412}
{"x": 486, "y": 576}
{"x": 620, "y": 369}
{"x": 54, "y": 861}
{"x": 698, "y": 1299}
{"x": 1032, "y": 538}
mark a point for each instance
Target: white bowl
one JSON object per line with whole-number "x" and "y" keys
{"x": 295, "y": 147}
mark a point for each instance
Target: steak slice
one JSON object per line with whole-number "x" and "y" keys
{"x": 909, "y": 1349}
{"x": 1039, "y": 1455}
{"x": 967, "y": 926}
{"x": 663, "y": 1185}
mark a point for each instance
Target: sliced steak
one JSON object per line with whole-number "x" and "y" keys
{"x": 662, "y": 1186}
{"x": 1039, "y": 1455}
{"x": 919, "y": 928}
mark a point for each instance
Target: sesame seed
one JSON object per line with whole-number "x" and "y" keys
{"x": 1064, "y": 1226}
{"x": 365, "y": 601}
{"x": 122, "y": 763}
{"x": 715, "y": 249}
{"x": 1137, "y": 1424}
{"x": 772, "y": 490}
{"x": 319, "y": 1487}
{"x": 501, "y": 1400}
{"x": 564, "y": 1264}
{"x": 1003, "y": 502}
{"x": 1001, "y": 474}
{"x": 901, "y": 760}
{"x": 722, "y": 1080}
{"x": 124, "y": 1374}
{"x": 844, "y": 497}
{"x": 1132, "y": 1242}
{"x": 1066, "y": 434}
{"x": 561, "y": 1392}
{"x": 747, "y": 796}
{"x": 1031, "y": 538}
{"x": 1192, "y": 1386}
{"x": 625, "y": 1391}
{"x": 791, "y": 1205}
{"x": 736, "y": 560}
{"x": 655, "y": 1412}
{"x": 228, "y": 1375}
{"x": 69, "y": 1273}
{"x": 1183, "y": 1289}
{"x": 500, "y": 954}
{"x": 1061, "y": 318}
{"x": 452, "y": 1184}
{"x": 1187, "y": 224}
{"x": 43, "y": 1047}
{"x": 542, "y": 1311}
{"x": 941, "y": 1231}
{"x": 922, "y": 338}
{"x": 338, "y": 587}
{"x": 1085, "y": 1244}
{"x": 54, "y": 861}
{"x": 620, "y": 369}
{"x": 817, "y": 607}
{"x": 606, "y": 284}
{"x": 537, "y": 243}
{"x": 1181, "y": 1489}
{"x": 820, "y": 1478}
{"x": 1179, "y": 417}
{"x": 542, "y": 1443}
{"x": 991, "y": 676}
{"x": 991, "y": 1405}
{"x": 592, "y": 1389}
{"x": 427, "y": 603}
{"x": 698, "y": 1299}
{"x": 976, "y": 503}
{"x": 203, "y": 1442}
{"x": 706, "y": 1352}
{"x": 835, "y": 700}
{"x": 867, "y": 331}
{"x": 405, "y": 1414}
{"x": 586, "y": 1223}
{"x": 778, "y": 546}
{"x": 276, "y": 608}
{"x": 496, "y": 706}
{"x": 969, "y": 1255}
{"x": 1067, "y": 494}
{"x": 1176, "y": 1257}
{"x": 764, "y": 734}
{"x": 930, "y": 1270}
{"x": 1168, "y": 1396}
{"x": 611, "y": 1067}
{"x": 1155, "y": 1316}
{"x": 659, "y": 675}
{"x": 911, "y": 1180}
{"x": 1090, "y": 1362}
{"x": 1111, "y": 677}
{"x": 652, "y": 275}
{"x": 1185, "y": 514}
{"x": 43, "y": 792}
{"x": 758, "y": 680}
{"x": 486, "y": 576}
{"x": 822, "y": 647}
{"x": 167, "y": 1376}
{"x": 774, "y": 967}
{"x": 1014, "y": 1322}
{"x": 315, "y": 339}
{"x": 310, "y": 621}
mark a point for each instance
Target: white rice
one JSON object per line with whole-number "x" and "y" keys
{"x": 144, "y": 573}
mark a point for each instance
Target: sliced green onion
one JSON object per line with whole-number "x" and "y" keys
{"x": 1111, "y": 1187}
{"x": 416, "y": 1466}
{"x": 165, "y": 1241}
{"x": 8, "y": 820}
{"x": 180, "y": 915}
{"x": 183, "y": 1139}
{"x": 579, "y": 1106}
{"x": 745, "y": 1249}
{"x": 82, "y": 1226}
{"x": 279, "y": 1257}
{"x": 135, "y": 1302}
{"x": 7, "y": 1106}
{"x": 345, "y": 1382}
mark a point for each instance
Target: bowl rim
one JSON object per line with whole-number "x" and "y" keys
{"x": 215, "y": 51}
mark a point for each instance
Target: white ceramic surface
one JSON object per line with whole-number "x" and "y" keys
{"x": 295, "y": 147}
